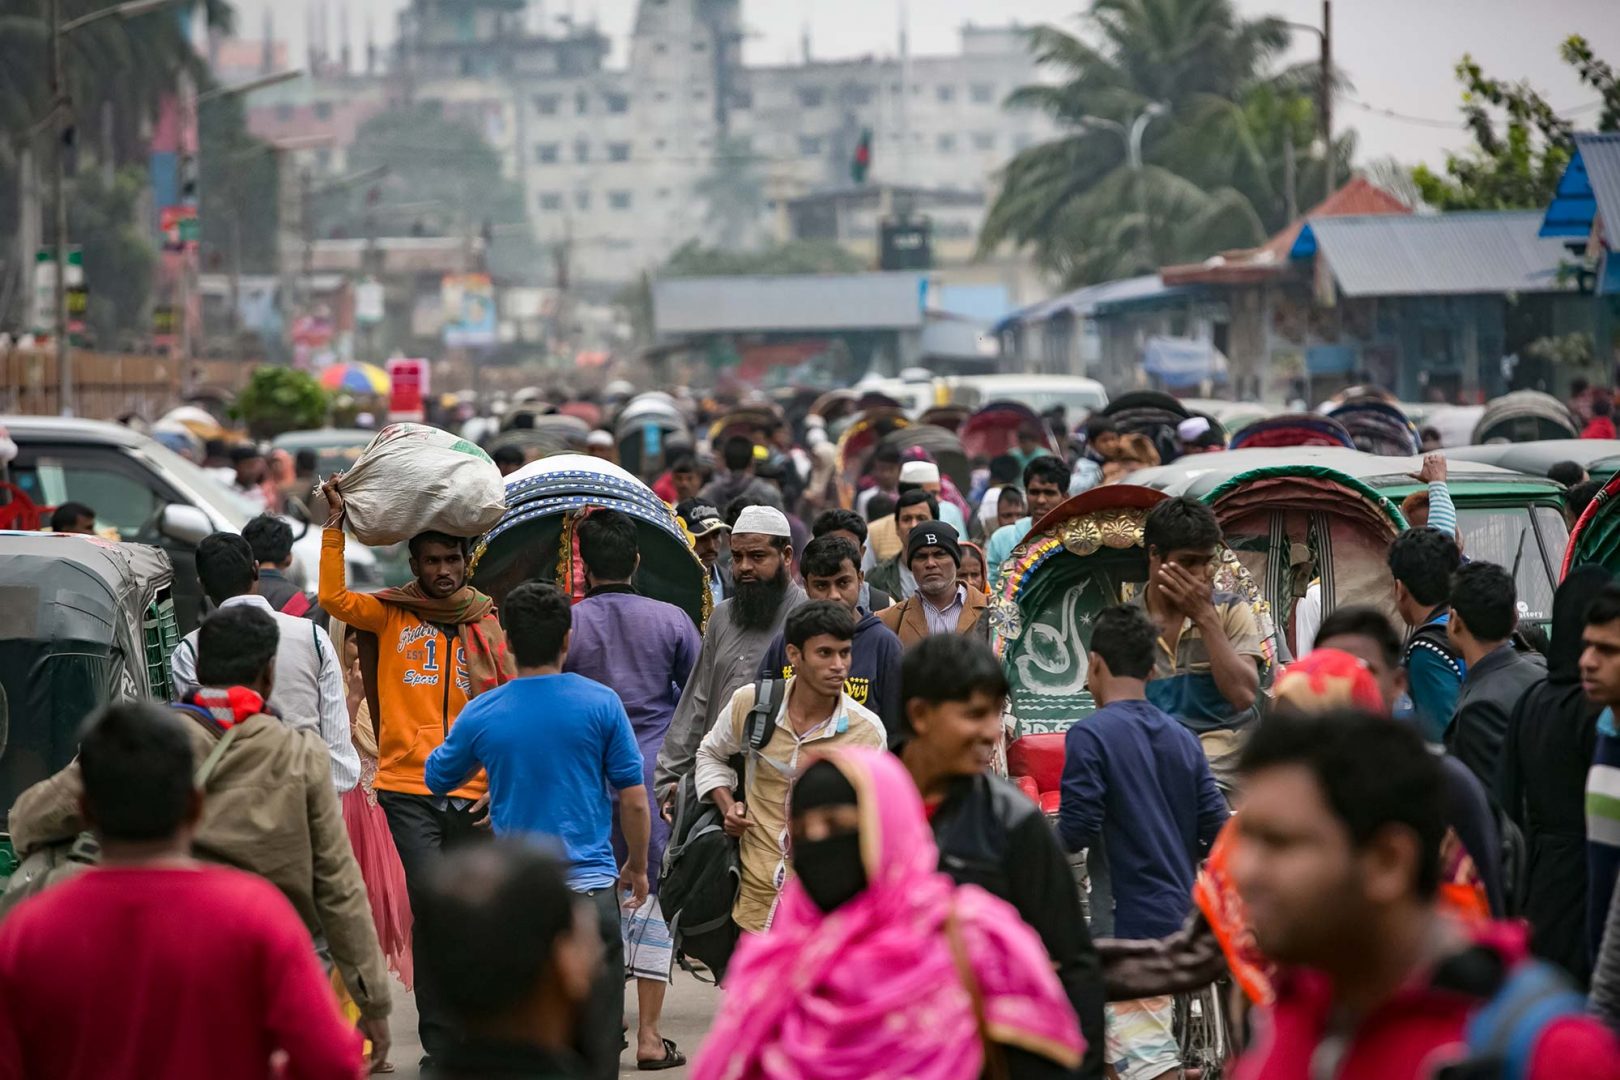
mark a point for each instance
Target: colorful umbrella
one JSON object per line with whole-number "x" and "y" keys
{"x": 356, "y": 379}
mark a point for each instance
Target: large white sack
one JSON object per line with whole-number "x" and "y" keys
{"x": 413, "y": 478}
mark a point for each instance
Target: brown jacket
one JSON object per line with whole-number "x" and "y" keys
{"x": 907, "y": 619}
{"x": 269, "y": 810}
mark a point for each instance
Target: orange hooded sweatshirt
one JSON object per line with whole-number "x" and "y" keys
{"x": 422, "y": 678}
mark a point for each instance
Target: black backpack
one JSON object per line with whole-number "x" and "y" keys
{"x": 702, "y": 873}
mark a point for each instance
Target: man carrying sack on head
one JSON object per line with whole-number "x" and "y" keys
{"x": 425, "y": 651}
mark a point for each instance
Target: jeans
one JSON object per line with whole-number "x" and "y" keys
{"x": 602, "y": 1026}
{"x": 422, "y": 831}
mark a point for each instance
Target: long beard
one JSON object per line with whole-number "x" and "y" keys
{"x": 757, "y": 602}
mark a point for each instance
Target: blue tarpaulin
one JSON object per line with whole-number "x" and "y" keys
{"x": 1181, "y": 362}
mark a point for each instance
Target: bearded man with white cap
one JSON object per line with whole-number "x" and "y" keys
{"x": 883, "y": 540}
{"x": 739, "y": 631}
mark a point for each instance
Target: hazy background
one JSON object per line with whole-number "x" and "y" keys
{"x": 1398, "y": 53}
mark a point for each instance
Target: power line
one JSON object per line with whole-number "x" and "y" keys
{"x": 1425, "y": 121}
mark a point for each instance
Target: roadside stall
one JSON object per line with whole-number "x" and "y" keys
{"x": 534, "y": 540}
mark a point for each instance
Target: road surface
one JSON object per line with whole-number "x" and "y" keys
{"x": 688, "y": 1010}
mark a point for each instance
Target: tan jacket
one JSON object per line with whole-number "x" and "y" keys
{"x": 907, "y": 619}
{"x": 763, "y": 849}
{"x": 269, "y": 810}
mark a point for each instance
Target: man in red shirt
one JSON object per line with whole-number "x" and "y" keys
{"x": 1338, "y": 862}
{"x": 153, "y": 964}
{"x": 1601, "y": 426}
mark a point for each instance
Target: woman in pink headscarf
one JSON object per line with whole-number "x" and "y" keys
{"x": 878, "y": 966}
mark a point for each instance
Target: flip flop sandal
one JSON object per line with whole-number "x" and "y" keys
{"x": 672, "y": 1059}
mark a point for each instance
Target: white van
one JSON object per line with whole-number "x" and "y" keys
{"x": 1077, "y": 394}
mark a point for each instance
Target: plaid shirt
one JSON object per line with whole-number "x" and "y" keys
{"x": 1183, "y": 683}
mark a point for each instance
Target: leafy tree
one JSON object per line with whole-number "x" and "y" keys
{"x": 239, "y": 196}
{"x": 280, "y": 399}
{"x": 1515, "y": 163}
{"x": 1213, "y": 163}
{"x": 107, "y": 223}
{"x": 448, "y": 177}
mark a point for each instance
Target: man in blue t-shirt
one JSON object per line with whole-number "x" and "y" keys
{"x": 553, "y": 745}
{"x": 1136, "y": 783}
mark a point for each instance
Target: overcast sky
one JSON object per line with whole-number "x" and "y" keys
{"x": 1399, "y": 54}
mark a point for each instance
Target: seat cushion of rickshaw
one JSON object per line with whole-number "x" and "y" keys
{"x": 1050, "y": 801}
{"x": 1026, "y": 784}
{"x": 1039, "y": 757}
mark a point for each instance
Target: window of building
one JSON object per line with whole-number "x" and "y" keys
{"x": 700, "y": 46}
{"x": 700, "y": 95}
{"x": 945, "y": 92}
{"x": 809, "y": 145}
{"x": 582, "y": 200}
{"x": 984, "y": 140}
{"x": 812, "y": 97}
{"x": 742, "y": 99}
{"x": 617, "y": 103}
{"x": 619, "y": 200}
{"x": 983, "y": 93}
{"x": 618, "y": 151}
{"x": 582, "y": 151}
{"x": 945, "y": 144}
{"x": 551, "y": 200}
{"x": 546, "y": 104}
{"x": 547, "y": 153}
{"x": 582, "y": 103}
{"x": 660, "y": 144}
{"x": 284, "y": 112}
{"x": 323, "y": 110}
{"x": 858, "y": 95}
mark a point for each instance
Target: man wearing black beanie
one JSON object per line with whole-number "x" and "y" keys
{"x": 941, "y": 604}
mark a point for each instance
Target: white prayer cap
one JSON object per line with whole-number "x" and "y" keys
{"x": 764, "y": 520}
{"x": 1194, "y": 427}
{"x": 599, "y": 438}
{"x": 919, "y": 472}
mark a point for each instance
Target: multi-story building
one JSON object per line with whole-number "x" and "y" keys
{"x": 620, "y": 166}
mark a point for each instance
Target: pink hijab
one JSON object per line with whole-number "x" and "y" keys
{"x": 876, "y": 989}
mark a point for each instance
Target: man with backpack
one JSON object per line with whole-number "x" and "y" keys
{"x": 810, "y": 715}
{"x": 309, "y": 677}
{"x": 267, "y": 807}
{"x": 1338, "y": 866}
{"x": 271, "y": 539}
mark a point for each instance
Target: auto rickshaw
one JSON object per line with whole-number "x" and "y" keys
{"x": 86, "y": 622}
{"x": 535, "y": 541}
{"x": 1595, "y": 537}
{"x": 643, "y": 428}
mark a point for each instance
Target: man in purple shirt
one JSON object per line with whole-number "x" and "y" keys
{"x": 644, "y": 650}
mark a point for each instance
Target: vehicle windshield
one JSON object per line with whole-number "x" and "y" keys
{"x": 1506, "y": 535}
{"x": 199, "y": 482}
{"x": 1073, "y": 401}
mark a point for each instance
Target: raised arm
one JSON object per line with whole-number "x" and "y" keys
{"x": 356, "y": 609}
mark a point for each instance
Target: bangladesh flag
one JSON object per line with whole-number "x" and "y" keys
{"x": 861, "y": 163}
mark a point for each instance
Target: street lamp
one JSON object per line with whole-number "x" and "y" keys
{"x": 1325, "y": 113}
{"x": 248, "y": 86}
{"x": 1133, "y": 152}
{"x": 59, "y": 106}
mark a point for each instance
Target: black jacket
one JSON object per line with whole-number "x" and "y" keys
{"x": 1490, "y": 692}
{"x": 992, "y": 836}
{"x": 1545, "y": 759}
{"x": 477, "y": 1059}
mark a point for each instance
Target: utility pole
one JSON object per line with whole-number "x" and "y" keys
{"x": 1327, "y": 98}
{"x": 60, "y": 135}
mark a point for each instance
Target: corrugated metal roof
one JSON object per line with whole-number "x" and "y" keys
{"x": 1438, "y": 254}
{"x": 1084, "y": 301}
{"x": 814, "y": 302}
{"x": 1601, "y": 155}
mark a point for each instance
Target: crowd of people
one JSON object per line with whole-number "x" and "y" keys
{"x": 482, "y": 802}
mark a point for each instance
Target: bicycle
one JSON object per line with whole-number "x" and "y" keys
{"x": 1204, "y": 1031}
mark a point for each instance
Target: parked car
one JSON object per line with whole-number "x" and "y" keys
{"x": 150, "y": 495}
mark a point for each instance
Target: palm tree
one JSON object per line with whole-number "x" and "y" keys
{"x": 1211, "y": 172}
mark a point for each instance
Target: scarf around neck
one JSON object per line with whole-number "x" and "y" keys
{"x": 227, "y": 706}
{"x": 880, "y": 986}
{"x": 472, "y": 613}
